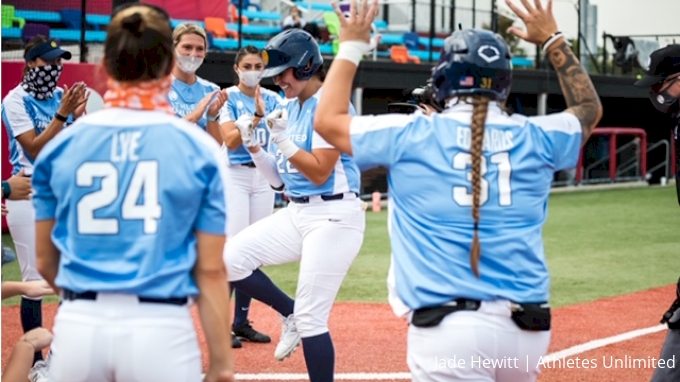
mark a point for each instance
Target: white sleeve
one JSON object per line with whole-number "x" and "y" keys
{"x": 17, "y": 117}
{"x": 266, "y": 165}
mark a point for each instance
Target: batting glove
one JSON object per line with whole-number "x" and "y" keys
{"x": 277, "y": 122}
{"x": 244, "y": 124}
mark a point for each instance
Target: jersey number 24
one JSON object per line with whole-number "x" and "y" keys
{"x": 462, "y": 161}
{"x": 144, "y": 182}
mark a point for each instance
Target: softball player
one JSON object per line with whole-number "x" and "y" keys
{"x": 128, "y": 230}
{"x": 469, "y": 265}
{"x": 193, "y": 98}
{"x": 322, "y": 227}
{"x": 33, "y": 113}
{"x": 250, "y": 197}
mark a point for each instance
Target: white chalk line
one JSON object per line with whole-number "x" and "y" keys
{"x": 569, "y": 352}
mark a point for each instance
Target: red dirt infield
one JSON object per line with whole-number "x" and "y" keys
{"x": 368, "y": 338}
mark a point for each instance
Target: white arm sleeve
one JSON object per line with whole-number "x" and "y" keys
{"x": 266, "y": 165}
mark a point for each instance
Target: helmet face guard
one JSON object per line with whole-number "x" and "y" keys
{"x": 473, "y": 62}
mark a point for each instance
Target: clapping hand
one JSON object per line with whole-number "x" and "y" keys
{"x": 216, "y": 105}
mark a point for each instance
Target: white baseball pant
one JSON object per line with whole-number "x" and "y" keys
{"x": 21, "y": 222}
{"x": 117, "y": 338}
{"x": 249, "y": 198}
{"x": 325, "y": 236}
{"x": 481, "y": 346}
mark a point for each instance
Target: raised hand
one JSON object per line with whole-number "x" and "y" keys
{"x": 216, "y": 105}
{"x": 80, "y": 110}
{"x": 259, "y": 101}
{"x": 540, "y": 22}
{"x": 72, "y": 99}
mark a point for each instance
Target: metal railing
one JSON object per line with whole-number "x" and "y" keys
{"x": 666, "y": 163}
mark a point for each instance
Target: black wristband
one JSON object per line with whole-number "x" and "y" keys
{"x": 6, "y": 189}
{"x": 259, "y": 115}
{"x": 60, "y": 117}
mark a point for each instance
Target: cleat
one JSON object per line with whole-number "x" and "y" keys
{"x": 235, "y": 343}
{"x": 290, "y": 338}
{"x": 39, "y": 372}
{"x": 245, "y": 332}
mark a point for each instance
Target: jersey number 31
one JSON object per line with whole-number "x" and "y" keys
{"x": 462, "y": 160}
{"x": 144, "y": 183}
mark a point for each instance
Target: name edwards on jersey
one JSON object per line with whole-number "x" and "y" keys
{"x": 494, "y": 140}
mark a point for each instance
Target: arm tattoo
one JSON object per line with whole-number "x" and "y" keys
{"x": 577, "y": 88}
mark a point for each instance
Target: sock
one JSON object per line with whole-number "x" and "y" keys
{"x": 261, "y": 287}
{"x": 241, "y": 307}
{"x": 31, "y": 318}
{"x": 319, "y": 357}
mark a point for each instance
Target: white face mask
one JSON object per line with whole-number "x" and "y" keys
{"x": 250, "y": 78}
{"x": 188, "y": 64}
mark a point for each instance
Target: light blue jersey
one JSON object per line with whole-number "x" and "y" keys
{"x": 239, "y": 104}
{"x": 431, "y": 225}
{"x": 184, "y": 97}
{"x": 21, "y": 113}
{"x": 126, "y": 205}
{"x": 345, "y": 176}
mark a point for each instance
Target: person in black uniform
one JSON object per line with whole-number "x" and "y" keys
{"x": 663, "y": 80}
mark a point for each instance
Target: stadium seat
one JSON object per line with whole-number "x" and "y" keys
{"x": 246, "y": 5}
{"x": 74, "y": 35}
{"x": 175, "y": 22}
{"x": 32, "y": 30}
{"x": 392, "y": 39}
{"x": 233, "y": 15}
{"x": 9, "y": 18}
{"x": 411, "y": 40}
{"x": 98, "y": 20}
{"x": 262, "y": 16}
{"x": 71, "y": 18}
{"x": 400, "y": 55}
{"x": 38, "y": 16}
{"x": 11, "y": 33}
{"x": 218, "y": 27}
{"x": 255, "y": 29}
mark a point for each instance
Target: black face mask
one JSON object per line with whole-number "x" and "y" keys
{"x": 664, "y": 102}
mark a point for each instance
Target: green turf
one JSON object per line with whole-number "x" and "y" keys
{"x": 598, "y": 244}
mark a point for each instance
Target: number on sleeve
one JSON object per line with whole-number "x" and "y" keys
{"x": 140, "y": 202}
{"x": 462, "y": 161}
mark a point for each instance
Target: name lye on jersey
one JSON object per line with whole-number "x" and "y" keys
{"x": 124, "y": 146}
{"x": 494, "y": 140}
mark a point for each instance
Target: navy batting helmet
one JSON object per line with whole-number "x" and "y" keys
{"x": 292, "y": 48}
{"x": 473, "y": 62}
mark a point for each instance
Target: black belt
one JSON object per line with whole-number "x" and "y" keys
{"x": 432, "y": 316}
{"x": 71, "y": 295}
{"x": 249, "y": 164}
{"x": 325, "y": 198}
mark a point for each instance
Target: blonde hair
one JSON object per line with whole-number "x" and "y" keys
{"x": 479, "y": 112}
{"x": 189, "y": 28}
{"x": 138, "y": 44}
